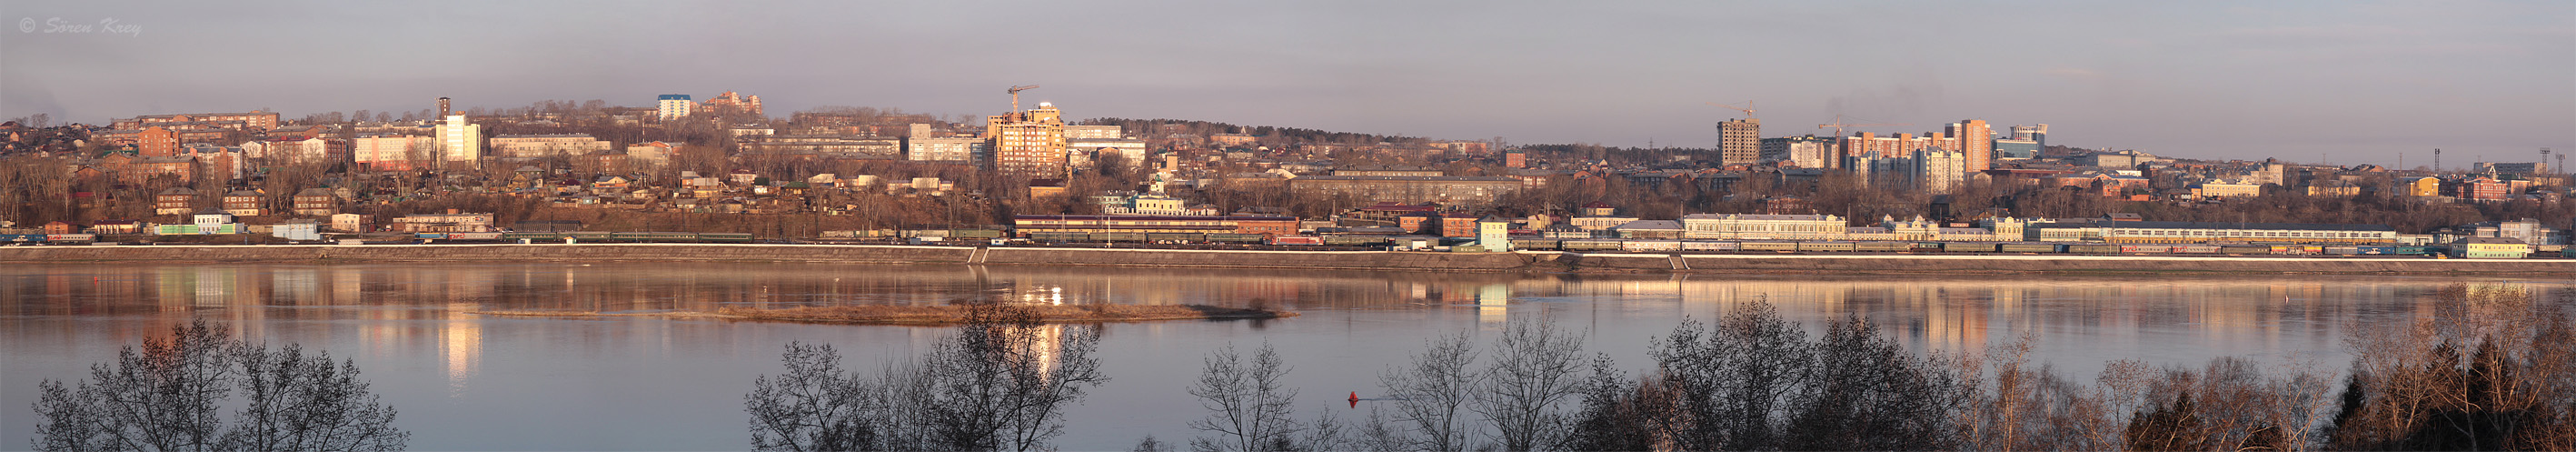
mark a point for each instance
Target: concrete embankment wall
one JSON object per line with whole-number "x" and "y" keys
{"x": 1486, "y": 262}
{"x": 770, "y": 253}
{"x": 2044, "y": 264}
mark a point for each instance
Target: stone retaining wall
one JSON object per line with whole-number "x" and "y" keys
{"x": 1494, "y": 262}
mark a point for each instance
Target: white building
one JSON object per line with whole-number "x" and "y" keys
{"x": 1093, "y": 132}
{"x": 943, "y": 149}
{"x": 296, "y": 231}
{"x": 460, "y": 141}
{"x": 675, "y": 106}
{"x": 1928, "y": 169}
{"x": 1937, "y": 171}
{"x": 1730, "y": 226}
{"x": 1133, "y": 151}
{"x": 394, "y": 152}
{"x": 348, "y": 222}
{"x": 547, "y": 145}
{"x": 653, "y": 153}
{"x": 1803, "y": 152}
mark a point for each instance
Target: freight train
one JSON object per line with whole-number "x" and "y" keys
{"x": 1690, "y": 246}
{"x": 1774, "y": 246}
{"x": 586, "y": 237}
{"x": 56, "y": 239}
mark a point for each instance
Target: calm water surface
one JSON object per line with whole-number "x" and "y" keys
{"x": 472, "y": 382}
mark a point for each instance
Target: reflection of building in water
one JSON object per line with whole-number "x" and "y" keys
{"x": 461, "y": 340}
{"x": 294, "y": 286}
{"x": 1038, "y": 295}
{"x": 1046, "y": 344}
{"x": 1969, "y": 314}
{"x": 1493, "y": 302}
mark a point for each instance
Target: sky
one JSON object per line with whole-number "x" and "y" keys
{"x": 2341, "y": 82}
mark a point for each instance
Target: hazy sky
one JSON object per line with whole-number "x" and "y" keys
{"x": 2355, "y": 81}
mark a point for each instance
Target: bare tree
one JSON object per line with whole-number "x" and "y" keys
{"x": 2413, "y": 387}
{"x": 814, "y": 406}
{"x": 1869, "y": 393}
{"x": 1001, "y": 382}
{"x": 1247, "y": 407}
{"x": 1535, "y": 373}
{"x": 167, "y": 397}
{"x": 1735, "y": 379}
{"x": 1431, "y": 391}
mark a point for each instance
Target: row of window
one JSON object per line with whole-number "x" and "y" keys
{"x": 2236, "y": 233}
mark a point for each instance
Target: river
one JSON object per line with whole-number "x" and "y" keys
{"x": 465, "y": 381}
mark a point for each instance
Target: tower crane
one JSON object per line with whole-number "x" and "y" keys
{"x": 1747, "y": 109}
{"x": 1840, "y": 122}
{"x": 1015, "y": 96}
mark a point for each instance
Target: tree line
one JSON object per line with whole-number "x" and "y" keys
{"x": 2485, "y": 368}
{"x": 2488, "y": 368}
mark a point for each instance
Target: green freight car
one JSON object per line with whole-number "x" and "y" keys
{"x": 1824, "y": 246}
{"x": 1534, "y": 244}
{"x": 2092, "y": 248}
{"x": 1969, "y": 247}
{"x": 725, "y": 237}
{"x": 1354, "y": 240}
{"x": 1234, "y": 238}
{"x": 1056, "y": 236}
{"x": 1770, "y": 246}
{"x": 1175, "y": 237}
{"x": 975, "y": 233}
{"x": 2245, "y": 249}
{"x": 1882, "y": 247}
{"x": 1589, "y": 245}
{"x": 535, "y": 236}
{"x": 1118, "y": 236}
{"x": 2031, "y": 248}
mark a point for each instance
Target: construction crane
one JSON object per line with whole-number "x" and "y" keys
{"x": 1015, "y": 96}
{"x": 1747, "y": 109}
{"x": 1840, "y": 122}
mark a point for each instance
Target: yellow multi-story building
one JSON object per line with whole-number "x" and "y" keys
{"x": 1729, "y": 226}
{"x": 1028, "y": 143}
{"x": 2420, "y": 186}
{"x": 1976, "y": 139}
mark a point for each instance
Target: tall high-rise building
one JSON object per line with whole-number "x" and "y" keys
{"x": 1975, "y": 140}
{"x": 1028, "y": 143}
{"x": 675, "y": 106}
{"x": 1930, "y": 169}
{"x": 1937, "y": 171}
{"x": 460, "y": 141}
{"x": 1739, "y": 141}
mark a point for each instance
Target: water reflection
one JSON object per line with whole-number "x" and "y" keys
{"x": 414, "y": 326}
{"x": 1941, "y": 313}
{"x": 462, "y": 337}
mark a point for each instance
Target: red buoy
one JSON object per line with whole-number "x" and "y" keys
{"x": 1355, "y": 399}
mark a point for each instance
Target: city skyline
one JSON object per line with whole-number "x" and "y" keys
{"x": 2349, "y": 83}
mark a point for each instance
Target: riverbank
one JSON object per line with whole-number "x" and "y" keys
{"x": 1547, "y": 262}
{"x": 942, "y": 315}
